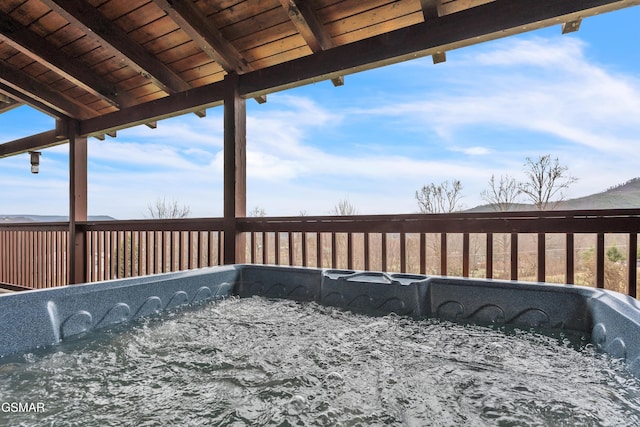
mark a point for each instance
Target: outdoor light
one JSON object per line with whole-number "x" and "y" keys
{"x": 35, "y": 161}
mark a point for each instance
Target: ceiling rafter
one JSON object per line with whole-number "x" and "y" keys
{"x": 312, "y": 31}
{"x": 193, "y": 22}
{"x": 486, "y": 21}
{"x": 43, "y": 94}
{"x": 431, "y": 10}
{"x": 447, "y": 32}
{"x": 190, "y": 101}
{"x": 307, "y": 24}
{"x": 24, "y": 99}
{"x": 25, "y": 41}
{"x": 96, "y": 25}
{"x": 30, "y": 143}
{"x": 571, "y": 27}
{"x": 7, "y": 103}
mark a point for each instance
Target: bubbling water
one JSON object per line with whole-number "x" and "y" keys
{"x": 275, "y": 362}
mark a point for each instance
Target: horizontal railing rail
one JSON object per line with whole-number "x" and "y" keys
{"x": 594, "y": 247}
{"x": 405, "y": 243}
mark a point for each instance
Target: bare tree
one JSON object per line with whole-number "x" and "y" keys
{"x": 257, "y": 212}
{"x": 546, "y": 181}
{"x": 344, "y": 207}
{"x": 442, "y": 198}
{"x": 501, "y": 195}
{"x": 165, "y": 209}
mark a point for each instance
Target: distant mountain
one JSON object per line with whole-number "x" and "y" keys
{"x": 47, "y": 218}
{"x": 621, "y": 196}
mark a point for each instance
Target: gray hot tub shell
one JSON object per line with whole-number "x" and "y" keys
{"x": 33, "y": 319}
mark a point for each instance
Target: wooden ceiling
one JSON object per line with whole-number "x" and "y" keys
{"x": 111, "y": 64}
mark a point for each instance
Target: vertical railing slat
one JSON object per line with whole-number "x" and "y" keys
{"x": 305, "y": 263}
{"x": 334, "y": 251}
{"x": 569, "y": 257}
{"x": 489, "y": 256}
{"x": 383, "y": 251}
{"x": 600, "y": 260}
{"x": 367, "y": 254}
{"x": 423, "y": 253}
{"x": 514, "y": 256}
{"x": 465, "y": 254}
{"x": 290, "y": 248}
{"x": 403, "y": 252}
{"x": 542, "y": 255}
{"x": 633, "y": 265}
{"x": 443, "y": 254}
{"x": 319, "y": 250}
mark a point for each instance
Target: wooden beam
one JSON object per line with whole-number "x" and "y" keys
{"x": 25, "y": 99}
{"x": 98, "y": 27}
{"x": 430, "y": 8}
{"x": 448, "y": 32}
{"x": 235, "y": 175}
{"x": 31, "y": 143}
{"x": 310, "y": 28}
{"x": 446, "y": 7}
{"x": 42, "y": 93}
{"x": 77, "y": 204}
{"x": 571, "y": 27}
{"x": 482, "y": 23}
{"x": 10, "y": 104}
{"x": 304, "y": 19}
{"x": 62, "y": 129}
{"x": 338, "y": 81}
{"x": 170, "y": 106}
{"x": 25, "y": 41}
{"x": 193, "y": 22}
{"x": 439, "y": 57}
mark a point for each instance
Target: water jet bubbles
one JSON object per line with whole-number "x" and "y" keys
{"x": 334, "y": 378}
{"x": 296, "y": 405}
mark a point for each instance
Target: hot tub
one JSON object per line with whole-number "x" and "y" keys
{"x": 46, "y": 317}
{"x": 43, "y": 321}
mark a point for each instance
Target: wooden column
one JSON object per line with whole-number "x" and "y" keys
{"x": 235, "y": 175}
{"x": 77, "y": 263}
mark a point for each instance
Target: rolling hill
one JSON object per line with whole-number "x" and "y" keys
{"x": 622, "y": 196}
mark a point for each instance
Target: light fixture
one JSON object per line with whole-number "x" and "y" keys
{"x": 35, "y": 161}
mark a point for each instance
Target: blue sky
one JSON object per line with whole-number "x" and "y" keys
{"x": 377, "y": 139}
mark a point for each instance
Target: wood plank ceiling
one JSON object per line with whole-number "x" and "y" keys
{"x": 110, "y": 64}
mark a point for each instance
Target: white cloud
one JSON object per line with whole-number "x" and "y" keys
{"x": 306, "y": 154}
{"x": 473, "y": 151}
{"x": 559, "y": 92}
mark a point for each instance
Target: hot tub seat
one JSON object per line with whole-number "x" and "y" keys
{"x": 40, "y": 318}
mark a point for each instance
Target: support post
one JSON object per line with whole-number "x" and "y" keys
{"x": 235, "y": 176}
{"x": 77, "y": 263}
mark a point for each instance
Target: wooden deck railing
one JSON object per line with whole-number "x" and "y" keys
{"x": 116, "y": 249}
{"x": 595, "y": 248}
{"x": 34, "y": 255}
